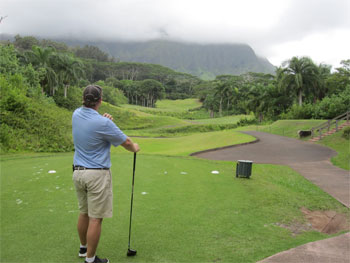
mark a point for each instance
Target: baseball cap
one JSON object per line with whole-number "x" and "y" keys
{"x": 92, "y": 94}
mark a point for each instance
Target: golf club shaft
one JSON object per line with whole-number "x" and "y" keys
{"x": 132, "y": 197}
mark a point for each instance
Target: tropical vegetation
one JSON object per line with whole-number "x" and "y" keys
{"x": 37, "y": 74}
{"x": 300, "y": 90}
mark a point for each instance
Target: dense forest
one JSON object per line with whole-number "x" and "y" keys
{"x": 62, "y": 68}
{"x": 41, "y": 83}
{"x": 299, "y": 90}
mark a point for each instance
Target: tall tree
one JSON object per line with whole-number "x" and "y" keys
{"x": 25, "y": 43}
{"x": 220, "y": 90}
{"x": 298, "y": 74}
{"x": 92, "y": 52}
{"x": 339, "y": 80}
{"x": 70, "y": 70}
{"x": 41, "y": 59}
{"x": 151, "y": 91}
{"x": 320, "y": 89}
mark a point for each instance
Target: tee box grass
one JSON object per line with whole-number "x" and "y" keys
{"x": 182, "y": 211}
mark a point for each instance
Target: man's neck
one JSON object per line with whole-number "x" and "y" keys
{"x": 92, "y": 108}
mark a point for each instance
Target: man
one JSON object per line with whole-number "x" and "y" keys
{"x": 93, "y": 135}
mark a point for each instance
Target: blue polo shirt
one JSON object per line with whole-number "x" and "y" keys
{"x": 93, "y": 136}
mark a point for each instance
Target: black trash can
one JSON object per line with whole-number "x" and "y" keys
{"x": 244, "y": 168}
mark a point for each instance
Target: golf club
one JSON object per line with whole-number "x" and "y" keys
{"x": 132, "y": 252}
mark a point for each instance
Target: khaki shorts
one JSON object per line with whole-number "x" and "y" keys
{"x": 94, "y": 192}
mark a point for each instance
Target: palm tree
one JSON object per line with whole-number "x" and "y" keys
{"x": 41, "y": 59}
{"x": 298, "y": 74}
{"x": 220, "y": 90}
{"x": 231, "y": 91}
{"x": 70, "y": 70}
{"x": 320, "y": 90}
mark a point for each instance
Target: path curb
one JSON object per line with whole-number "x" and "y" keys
{"x": 225, "y": 147}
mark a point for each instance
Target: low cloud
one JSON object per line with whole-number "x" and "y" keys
{"x": 265, "y": 25}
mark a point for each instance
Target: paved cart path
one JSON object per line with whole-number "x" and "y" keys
{"x": 313, "y": 162}
{"x": 309, "y": 159}
{"x": 331, "y": 250}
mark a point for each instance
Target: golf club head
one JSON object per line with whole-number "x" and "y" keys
{"x": 131, "y": 252}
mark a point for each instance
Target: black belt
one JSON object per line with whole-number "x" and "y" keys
{"x": 78, "y": 167}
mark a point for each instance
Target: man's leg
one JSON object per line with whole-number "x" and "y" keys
{"x": 93, "y": 236}
{"x": 83, "y": 224}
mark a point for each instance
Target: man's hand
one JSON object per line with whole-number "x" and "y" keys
{"x": 136, "y": 147}
{"x": 109, "y": 116}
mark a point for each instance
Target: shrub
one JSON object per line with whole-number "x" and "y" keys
{"x": 31, "y": 124}
{"x": 334, "y": 105}
{"x": 346, "y": 133}
{"x": 112, "y": 95}
{"x": 13, "y": 92}
{"x": 296, "y": 112}
{"x": 72, "y": 101}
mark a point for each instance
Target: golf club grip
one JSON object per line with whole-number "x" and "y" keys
{"x": 132, "y": 197}
{"x": 133, "y": 171}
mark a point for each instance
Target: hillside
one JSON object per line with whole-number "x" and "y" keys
{"x": 204, "y": 61}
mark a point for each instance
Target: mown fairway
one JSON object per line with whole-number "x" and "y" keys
{"x": 223, "y": 120}
{"x": 170, "y": 105}
{"x": 186, "y": 145}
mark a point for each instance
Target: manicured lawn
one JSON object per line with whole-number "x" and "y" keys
{"x": 223, "y": 120}
{"x": 289, "y": 128}
{"x": 341, "y": 146}
{"x": 182, "y": 212}
{"x": 170, "y": 105}
{"x": 178, "y": 105}
{"x": 181, "y": 109}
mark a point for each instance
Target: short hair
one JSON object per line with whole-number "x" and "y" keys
{"x": 91, "y": 95}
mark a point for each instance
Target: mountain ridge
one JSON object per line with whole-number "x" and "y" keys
{"x": 202, "y": 60}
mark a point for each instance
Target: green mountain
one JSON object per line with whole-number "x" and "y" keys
{"x": 202, "y": 60}
{"x": 205, "y": 61}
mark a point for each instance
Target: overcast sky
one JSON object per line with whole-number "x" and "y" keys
{"x": 275, "y": 29}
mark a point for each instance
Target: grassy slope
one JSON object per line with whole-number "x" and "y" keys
{"x": 192, "y": 217}
{"x": 289, "y": 127}
{"x": 130, "y": 119}
{"x": 40, "y": 126}
{"x": 158, "y": 122}
{"x": 341, "y": 146}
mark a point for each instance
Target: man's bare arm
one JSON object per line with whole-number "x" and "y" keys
{"x": 130, "y": 145}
